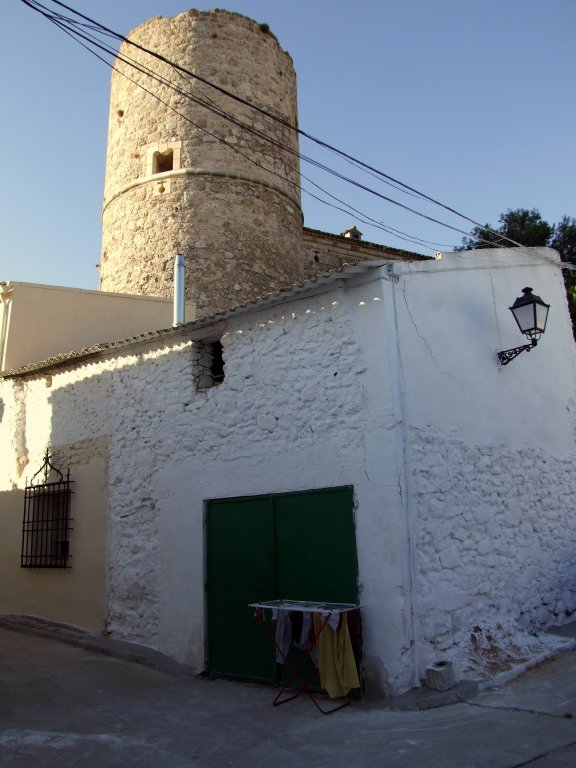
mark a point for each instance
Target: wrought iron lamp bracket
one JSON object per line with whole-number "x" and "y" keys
{"x": 509, "y": 354}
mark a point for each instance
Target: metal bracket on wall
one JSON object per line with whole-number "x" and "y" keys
{"x": 509, "y": 354}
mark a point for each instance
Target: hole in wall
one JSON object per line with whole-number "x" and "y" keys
{"x": 162, "y": 162}
{"x": 211, "y": 363}
{"x": 217, "y": 366}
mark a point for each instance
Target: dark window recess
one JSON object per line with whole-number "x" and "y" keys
{"x": 163, "y": 161}
{"x": 46, "y": 527}
{"x": 210, "y": 364}
{"x": 217, "y": 367}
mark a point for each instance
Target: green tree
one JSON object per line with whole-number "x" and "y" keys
{"x": 520, "y": 225}
{"x": 564, "y": 239}
{"x": 528, "y": 228}
{"x": 482, "y": 237}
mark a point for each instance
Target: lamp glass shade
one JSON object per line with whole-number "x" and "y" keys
{"x": 541, "y": 316}
{"x": 530, "y": 313}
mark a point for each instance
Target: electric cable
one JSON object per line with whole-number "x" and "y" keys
{"x": 364, "y": 218}
{"x": 60, "y": 20}
{"x": 278, "y": 119}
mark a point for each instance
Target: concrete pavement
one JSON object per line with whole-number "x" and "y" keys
{"x": 64, "y": 706}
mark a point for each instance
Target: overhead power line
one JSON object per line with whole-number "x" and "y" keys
{"x": 80, "y": 30}
{"x": 363, "y": 218}
{"x": 62, "y": 21}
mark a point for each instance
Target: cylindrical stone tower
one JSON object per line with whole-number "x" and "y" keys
{"x": 183, "y": 178}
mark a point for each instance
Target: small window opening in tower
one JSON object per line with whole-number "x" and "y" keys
{"x": 163, "y": 161}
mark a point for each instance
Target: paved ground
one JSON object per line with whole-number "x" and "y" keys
{"x": 64, "y": 706}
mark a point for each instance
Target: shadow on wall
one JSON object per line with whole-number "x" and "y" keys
{"x": 11, "y": 509}
{"x": 104, "y": 427}
{"x": 75, "y": 594}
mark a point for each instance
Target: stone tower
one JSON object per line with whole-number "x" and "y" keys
{"x": 181, "y": 178}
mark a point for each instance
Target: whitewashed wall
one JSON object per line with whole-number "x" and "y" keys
{"x": 293, "y": 413}
{"x": 389, "y": 382}
{"x": 296, "y": 411}
{"x": 491, "y": 448}
{"x": 33, "y": 417}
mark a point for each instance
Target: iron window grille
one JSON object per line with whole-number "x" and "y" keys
{"x": 46, "y": 526}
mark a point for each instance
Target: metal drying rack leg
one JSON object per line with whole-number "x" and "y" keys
{"x": 295, "y": 671}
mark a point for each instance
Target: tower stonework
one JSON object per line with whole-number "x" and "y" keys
{"x": 182, "y": 179}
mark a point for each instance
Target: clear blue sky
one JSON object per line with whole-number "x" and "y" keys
{"x": 470, "y": 102}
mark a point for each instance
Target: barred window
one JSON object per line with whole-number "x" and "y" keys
{"x": 46, "y": 526}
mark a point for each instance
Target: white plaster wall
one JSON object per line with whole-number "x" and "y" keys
{"x": 389, "y": 382}
{"x": 294, "y": 412}
{"x": 301, "y": 407}
{"x": 454, "y": 317}
{"x": 31, "y": 420}
{"x": 41, "y": 321}
{"x": 491, "y": 448}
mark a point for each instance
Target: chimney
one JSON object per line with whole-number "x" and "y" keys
{"x": 352, "y": 233}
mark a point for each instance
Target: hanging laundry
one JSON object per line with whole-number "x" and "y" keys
{"x": 336, "y": 662}
{"x": 306, "y": 637}
{"x": 294, "y": 628}
{"x": 283, "y": 633}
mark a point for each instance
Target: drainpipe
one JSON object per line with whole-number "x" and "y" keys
{"x": 406, "y": 487}
{"x": 5, "y": 297}
{"x": 179, "y": 287}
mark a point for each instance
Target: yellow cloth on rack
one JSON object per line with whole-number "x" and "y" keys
{"x": 336, "y": 662}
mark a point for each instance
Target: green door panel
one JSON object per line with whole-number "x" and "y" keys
{"x": 239, "y": 571}
{"x": 297, "y": 546}
{"x": 316, "y": 546}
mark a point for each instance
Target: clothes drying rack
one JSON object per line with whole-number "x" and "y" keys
{"x": 326, "y": 611}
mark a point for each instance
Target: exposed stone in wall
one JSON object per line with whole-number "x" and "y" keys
{"x": 233, "y": 209}
{"x": 222, "y": 264}
{"x": 13, "y": 446}
{"x": 77, "y": 417}
{"x": 286, "y": 376}
{"x": 324, "y": 252}
{"x": 496, "y": 539}
{"x": 291, "y": 384}
{"x": 68, "y": 456}
{"x": 143, "y": 405}
{"x": 265, "y": 406}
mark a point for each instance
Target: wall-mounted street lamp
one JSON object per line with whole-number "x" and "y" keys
{"x": 531, "y": 314}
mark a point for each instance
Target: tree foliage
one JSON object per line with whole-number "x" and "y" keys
{"x": 522, "y": 226}
{"x": 563, "y": 239}
{"x": 528, "y": 228}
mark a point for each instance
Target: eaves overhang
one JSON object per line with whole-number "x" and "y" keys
{"x": 196, "y": 328}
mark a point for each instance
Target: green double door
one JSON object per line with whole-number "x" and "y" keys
{"x": 295, "y": 546}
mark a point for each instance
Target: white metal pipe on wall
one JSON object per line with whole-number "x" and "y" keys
{"x": 179, "y": 288}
